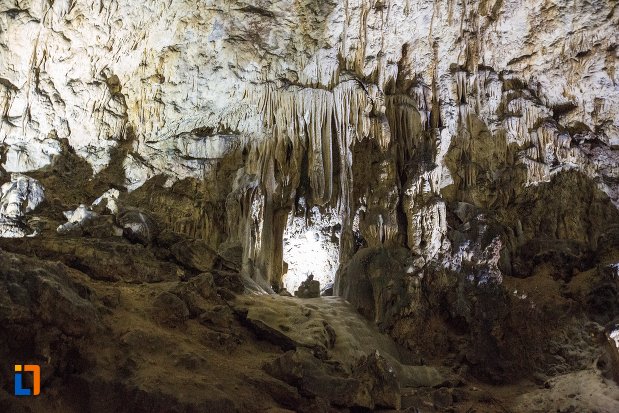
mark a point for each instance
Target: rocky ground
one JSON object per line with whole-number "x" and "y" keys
{"x": 173, "y": 326}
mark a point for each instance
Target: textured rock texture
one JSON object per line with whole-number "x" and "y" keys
{"x": 140, "y": 344}
{"x": 451, "y": 166}
{"x": 18, "y": 197}
{"x": 382, "y": 109}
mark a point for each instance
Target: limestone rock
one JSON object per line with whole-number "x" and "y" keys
{"x": 44, "y": 293}
{"x": 372, "y": 384}
{"x": 76, "y": 219}
{"x": 284, "y": 292}
{"x": 195, "y": 254}
{"x": 333, "y": 104}
{"x": 198, "y": 294}
{"x": 312, "y": 377}
{"x": 102, "y": 259}
{"x": 376, "y": 281}
{"x": 138, "y": 226}
{"x": 309, "y": 288}
{"x": 457, "y": 181}
{"x": 169, "y": 310}
{"x": 19, "y": 196}
{"x": 302, "y": 330}
{"x": 381, "y": 379}
{"x": 229, "y": 280}
{"x": 107, "y": 202}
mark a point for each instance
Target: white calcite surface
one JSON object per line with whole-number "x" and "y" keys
{"x": 18, "y": 197}
{"x": 107, "y": 203}
{"x": 311, "y": 247}
{"x": 108, "y": 200}
{"x": 80, "y": 216}
{"x": 468, "y": 92}
{"x": 187, "y": 77}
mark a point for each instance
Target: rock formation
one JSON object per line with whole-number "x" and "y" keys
{"x": 449, "y": 168}
{"x": 18, "y": 197}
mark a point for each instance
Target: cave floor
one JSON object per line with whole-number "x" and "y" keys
{"x": 135, "y": 341}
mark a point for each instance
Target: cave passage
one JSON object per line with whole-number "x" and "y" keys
{"x": 311, "y": 247}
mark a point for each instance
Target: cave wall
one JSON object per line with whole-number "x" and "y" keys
{"x": 397, "y": 115}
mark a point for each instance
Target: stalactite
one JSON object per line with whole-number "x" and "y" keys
{"x": 421, "y": 94}
{"x": 301, "y": 114}
{"x": 406, "y": 125}
{"x": 328, "y": 121}
{"x": 323, "y": 124}
{"x": 461, "y": 87}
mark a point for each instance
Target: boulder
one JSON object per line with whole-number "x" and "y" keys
{"x": 102, "y": 259}
{"x": 309, "y": 288}
{"x": 371, "y": 384}
{"x": 313, "y": 378}
{"x": 195, "y": 255}
{"x": 138, "y": 226}
{"x": 169, "y": 310}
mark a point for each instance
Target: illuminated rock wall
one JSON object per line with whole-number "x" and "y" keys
{"x": 385, "y": 111}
